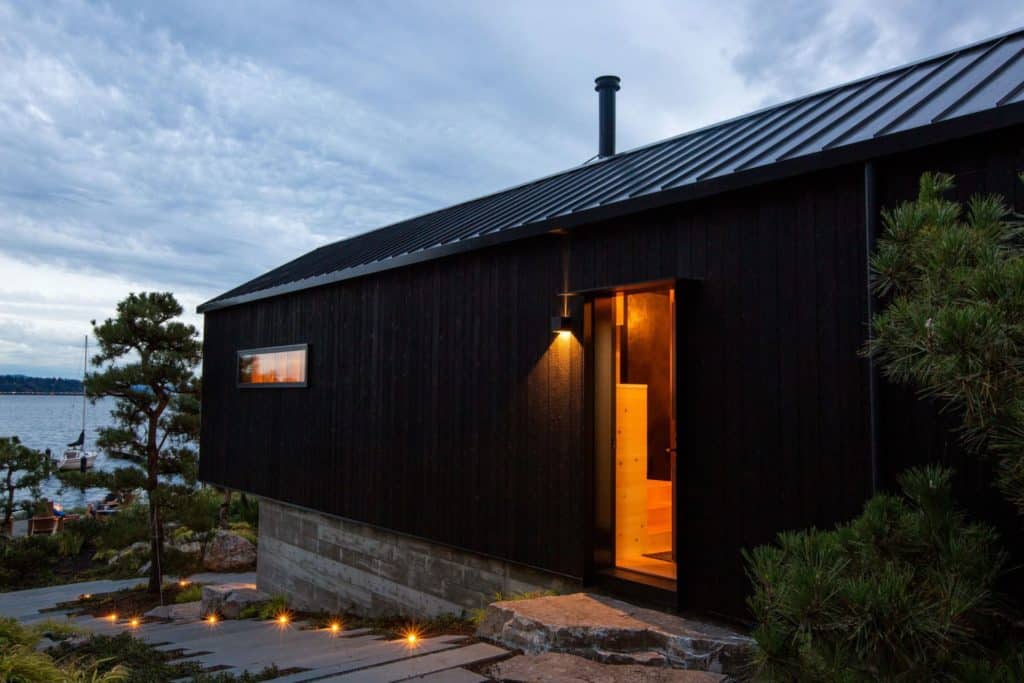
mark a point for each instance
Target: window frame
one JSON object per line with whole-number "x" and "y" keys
{"x": 271, "y": 385}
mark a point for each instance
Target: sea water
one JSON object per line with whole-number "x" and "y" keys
{"x": 52, "y": 422}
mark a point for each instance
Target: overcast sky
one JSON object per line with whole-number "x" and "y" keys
{"x": 190, "y": 146}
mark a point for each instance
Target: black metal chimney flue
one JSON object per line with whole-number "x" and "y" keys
{"x": 606, "y": 86}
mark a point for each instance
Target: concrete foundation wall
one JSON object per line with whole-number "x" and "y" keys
{"x": 336, "y": 565}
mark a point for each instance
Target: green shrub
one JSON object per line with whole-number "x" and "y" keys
{"x": 199, "y": 511}
{"x": 245, "y": 509}
{"x": 69, "y": 544}
{"x": 269, "y": 609}
{"x": 20, "y": 664}
{"x": 27, "y": 561}
{"x": 129, "y": 525}
{"x": 89, "y": 528}
{"x": 244, "y": 530}
{"x": 144, "y": 664}
{"x": 191, "y": 593}
{"x": 903, "y": 592}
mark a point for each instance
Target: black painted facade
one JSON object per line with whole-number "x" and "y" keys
{"x": 440, "y": 405}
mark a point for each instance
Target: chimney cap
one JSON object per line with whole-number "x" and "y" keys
{"x": 607, "y": 82}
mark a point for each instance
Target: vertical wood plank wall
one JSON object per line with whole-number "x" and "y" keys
{"x": 440, "y": 405}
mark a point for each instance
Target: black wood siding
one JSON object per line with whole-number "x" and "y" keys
{"x": 440, "y": 404}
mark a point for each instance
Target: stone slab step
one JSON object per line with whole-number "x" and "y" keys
{"x": 405, "y": 669}
{"x": 557, "y": 667}
{"x": 451, "y": 676}
{"x": 386, "y": 652}
{"x": 602, "y": 628}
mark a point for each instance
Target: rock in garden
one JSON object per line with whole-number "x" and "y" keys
{"x": 229, "y": 599}
{"x": 189, "y": 611}
{"x": 188, "y": 548}
{"x": 228, "y": 552}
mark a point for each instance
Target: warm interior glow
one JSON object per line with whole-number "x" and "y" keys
{"x": 272, "y": 367}
{"x": 565, "y": 333}
{"x": 636, "y": 402}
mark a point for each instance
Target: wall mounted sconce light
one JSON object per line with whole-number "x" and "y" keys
{"x": 561, "y": 324}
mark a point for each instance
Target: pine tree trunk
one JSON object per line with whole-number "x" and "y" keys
{"x": 156, "y": 527}
{"x": 156, "y": 548}
{"x": 9, "y": 508}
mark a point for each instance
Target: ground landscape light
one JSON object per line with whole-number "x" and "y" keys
{"x": 134, "y": 622}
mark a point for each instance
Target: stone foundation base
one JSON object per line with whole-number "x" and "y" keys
{"x": 324, "y": 563}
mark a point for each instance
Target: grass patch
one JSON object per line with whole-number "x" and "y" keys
{"x": 271, "y": 609}
{"x": 190, "y": 593}
{"x": 142, "y": 663}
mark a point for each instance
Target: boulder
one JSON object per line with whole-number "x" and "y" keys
{"x": 229, "y": 599}
{"x": 613, "y": 632}
{"x": 133, "y": 554}
{"x": 228, "y": 552}
{"x": 189, "y": 547}
{"x": 188, "y": 611}
{"x": 553, "y": 667}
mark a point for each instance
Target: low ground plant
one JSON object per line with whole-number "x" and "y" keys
{"x": 270, "y": 609}
{"x": 191, "y": 593}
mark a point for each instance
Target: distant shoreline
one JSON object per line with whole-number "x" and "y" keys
{"x": 39, "y": 386}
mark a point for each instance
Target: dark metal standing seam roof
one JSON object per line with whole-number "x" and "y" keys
{"x": 966, "y": 91}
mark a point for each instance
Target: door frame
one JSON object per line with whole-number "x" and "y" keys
{"x": 684, "y": 290}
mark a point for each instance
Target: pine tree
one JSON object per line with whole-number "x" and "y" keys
{"x": 147, "y": 361}
{"x": 21, "y": 468}
{"x": 953, "y": 323}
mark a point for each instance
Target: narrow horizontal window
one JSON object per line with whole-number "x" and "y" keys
{"x": 276, "y": 366}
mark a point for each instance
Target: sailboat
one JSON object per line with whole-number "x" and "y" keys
{"x": 76, "y": 457}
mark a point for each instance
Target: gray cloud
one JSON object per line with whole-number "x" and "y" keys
{"x": 192, "y": 145}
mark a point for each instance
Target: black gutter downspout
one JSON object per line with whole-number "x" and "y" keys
{"x": 870, "y": 237}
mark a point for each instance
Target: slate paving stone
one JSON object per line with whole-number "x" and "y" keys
{"x": 252, "y": 645}
{"x": 477, "y": 653}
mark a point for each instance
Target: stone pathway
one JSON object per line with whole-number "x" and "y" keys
{"x": 252, "y": 645}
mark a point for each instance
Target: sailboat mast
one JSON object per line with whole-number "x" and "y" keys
{"x": 85, "y": 361}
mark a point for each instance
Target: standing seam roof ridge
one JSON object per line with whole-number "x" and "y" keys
{"x": 664, "y": 155}
{"x": 1011, "y": 95}
{"x": 800, "y": 130}
{"x": 725, "y": 134}
{"x": 684, "y": 172}
{"x": 894, "y": 82}
{"x": 954, "y": 78}
{"x": 680, "y": 154}
{"x": 979, "y": 86}
{"x": 887, "y": 106}
{"x": 770, "y": 132}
